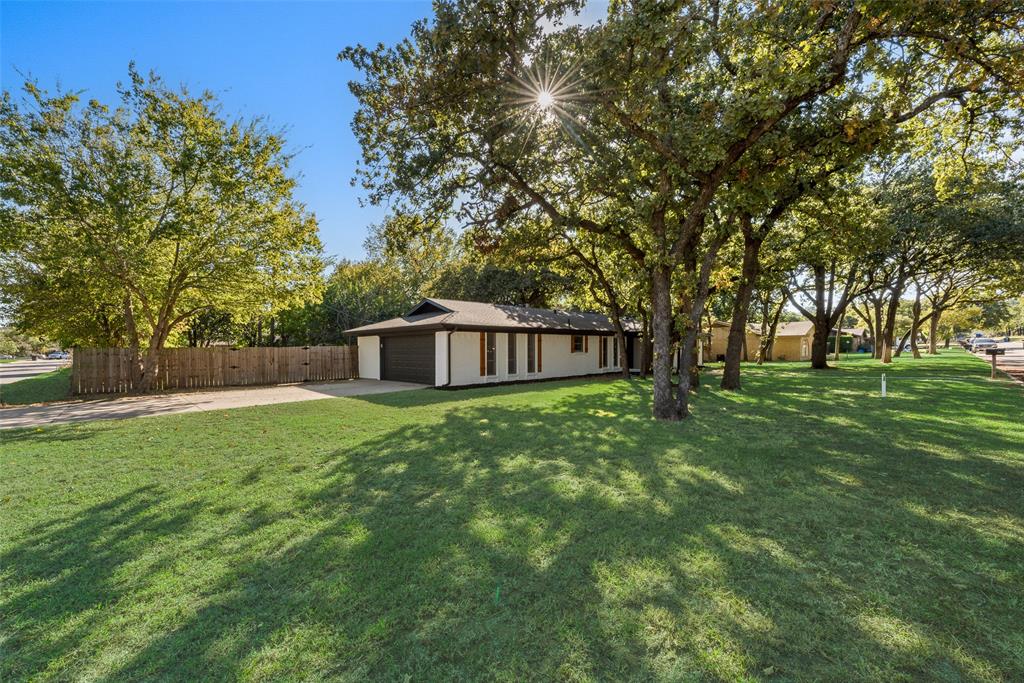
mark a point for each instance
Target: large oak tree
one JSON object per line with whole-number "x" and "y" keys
{"x": 658, "y": 109}
{"x": 121, "y": 224}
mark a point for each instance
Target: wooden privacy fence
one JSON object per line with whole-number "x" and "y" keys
{"x": 108, "y": 371}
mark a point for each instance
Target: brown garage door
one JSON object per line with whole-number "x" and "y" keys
{"x": 408, "y": 358}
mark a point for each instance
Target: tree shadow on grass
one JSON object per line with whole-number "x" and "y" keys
{"x": 35, "y": 435}
{"x": 62, "y": 574}
{"x": 497, "y": 539}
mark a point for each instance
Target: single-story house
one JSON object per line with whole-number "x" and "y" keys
{"x": 717, "y": 341}
{"x": 446, "y": 343}
{"x": 858, "y": 339}
{"x": 793, "y": 341}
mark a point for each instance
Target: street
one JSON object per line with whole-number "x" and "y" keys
{"x": 1012, "y": 363}
{"x": 23, "y": 369}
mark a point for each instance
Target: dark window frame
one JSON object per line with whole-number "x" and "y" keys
{"x": 492, "y": 354}
{"x": 578, "y": 344}
{"x": 513, "y": 354}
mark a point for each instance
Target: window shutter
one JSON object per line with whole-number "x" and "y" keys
{"x": 483, "y": 354}
{"x": 586, "y": 344}
{"x": 539, "y": 365}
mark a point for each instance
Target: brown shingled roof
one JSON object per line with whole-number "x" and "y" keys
{"x": 448, "y": 314}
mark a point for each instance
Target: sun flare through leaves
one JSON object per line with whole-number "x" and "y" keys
{"x": 547, "y": 94}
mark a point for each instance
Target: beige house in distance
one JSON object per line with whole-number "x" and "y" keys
{"x": 793, "y": 341}
{"x": 859, "y": 337}
{"x": 718, "y": 340}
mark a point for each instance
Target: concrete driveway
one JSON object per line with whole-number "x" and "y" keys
{"x": 23, "y": 369}
{"x": 188, "y": 402}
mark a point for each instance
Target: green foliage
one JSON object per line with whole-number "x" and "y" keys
{"x": 416, "y": 249}
{"x": 367, "y": 292}
{"x": 120, "y": 224}
{"x": 20, "y": 344}
{"x": 961, "y": 319}
{"x": 471, "y": 280}
{"x": 670, "y": 119}
{"x": 8, "y": 347}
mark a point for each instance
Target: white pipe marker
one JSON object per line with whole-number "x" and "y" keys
{"x": 883, "y": 385}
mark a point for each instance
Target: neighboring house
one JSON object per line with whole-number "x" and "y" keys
{"x": 718, "y": 340}
{"x": 859, "y": 339}
{"x": 460, "y": 343}
{"x": 853, "y": 339}
{"x": 793, "y": 341}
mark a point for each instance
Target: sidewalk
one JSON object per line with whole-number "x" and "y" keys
{"x": 188, "y": 402}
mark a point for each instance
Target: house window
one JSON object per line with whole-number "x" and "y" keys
{"x": 602, "y": 352}
{"x": 533, "y": 353}
{"x": 512, "y": 350}
{"x": 577, "y": 343}
{"x": 492, "y": 354}
{"x": 615, "y": 352}
{"x": 488, "y": 354}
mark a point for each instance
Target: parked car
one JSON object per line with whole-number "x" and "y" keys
{"x": 58, "y": 355}
{"x": 5, "y": 356}
{"x": 982, "y": 343}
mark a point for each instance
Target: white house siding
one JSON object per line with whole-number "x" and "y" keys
{"x": 369, "y": 357}
{"x": 440, "y": 358}
{"x": 557, "y": 360}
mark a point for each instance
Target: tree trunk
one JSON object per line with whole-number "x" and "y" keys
{"x": 903, "y": 342}
{"x": 692, "y": 319}
{"x": 686, "y": 358}
{"x": 741, "y": 309}
{"x": 839, "y": 338}
{"x": 768, "y": 335}
{"x": 889, "y": 332}
{"x": 819, "y": 347}
{"x": 915, "y": 327}
{"x": 134, "y": 343}
{"x": 150, "y": 370}
{"x": 933, "y": 333}
{"x": 865, "y": 315}
{"x": 151, "y": 359}
{"x": 665, "y": 407}
{"x": 876, "y": 346}
{"x": 694, "y": 365}
{"x": 819, "y": 342}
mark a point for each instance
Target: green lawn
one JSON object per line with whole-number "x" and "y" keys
{"x": 49, "y": 386}
{"x": 804, "y": 529}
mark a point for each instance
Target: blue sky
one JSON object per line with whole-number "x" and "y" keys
{"x": 277, "y": 60}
